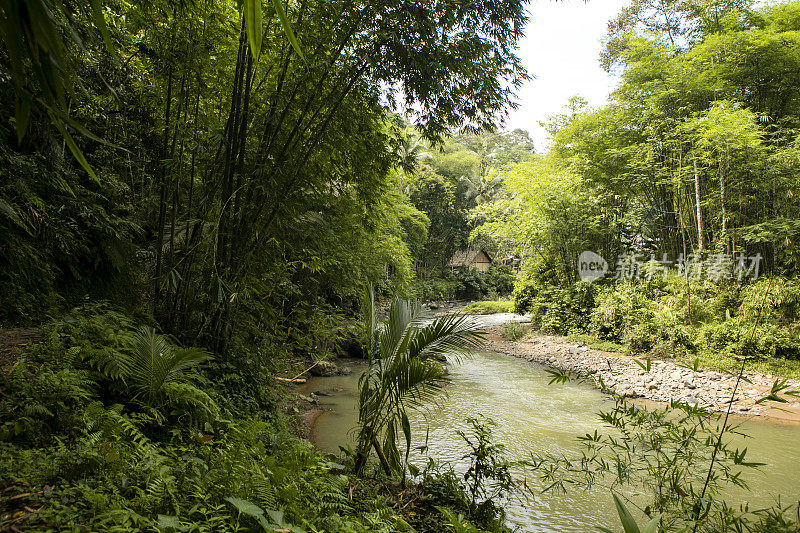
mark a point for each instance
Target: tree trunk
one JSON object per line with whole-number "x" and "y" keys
{"x": 697, "y": 203}
{"x": 384, "y": 463}
{"x": 724, "y": 235}
{"x": 683, "y": 239}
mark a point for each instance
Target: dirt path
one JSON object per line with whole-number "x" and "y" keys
{"x": 15, "y": 341}
{"x": 665, "y": 381}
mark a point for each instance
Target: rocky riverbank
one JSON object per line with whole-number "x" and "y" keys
{"x": 666, "y": 381}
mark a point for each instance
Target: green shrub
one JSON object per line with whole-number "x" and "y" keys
{"x": 529, "y": 283}
{"x": 437, "y": 289}
{"x": 500, "y": 279}
{"x": 776, "y": 299}
{"x": 619, "y": 308}
{"x": 524, "y": 297}
{"x": 513, "y": 331}
{"x": 489, "y": 307}
{"x": 563, "y": 310}
{"x": 651, "y": 316}
{"x": 472, "y": 285}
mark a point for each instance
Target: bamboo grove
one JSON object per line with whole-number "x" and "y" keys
{"x": 229, "y": 181}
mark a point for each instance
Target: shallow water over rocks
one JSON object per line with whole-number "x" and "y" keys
{"x": 533, "y": 417}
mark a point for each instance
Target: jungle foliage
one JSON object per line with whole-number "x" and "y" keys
{"x": 224, "y": 176}
{"x": 695, "y": 156}
{"x": 208, "y": 165}
{"x": 449, "y": 181}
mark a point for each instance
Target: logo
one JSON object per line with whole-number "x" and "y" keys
{"x": 591, "y": 266}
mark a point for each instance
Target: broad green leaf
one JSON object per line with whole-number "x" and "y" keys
{"x": 628, "y": 523}
{"x": 245, "y": 507}
{"x": 22, "y": 115}
{"x": 100, "y": 22}
{"x": 287, "y": 28}
{"x": 76, "y": 152}
{"x": 652, "y": 525}
{"x": 254, "y": 25}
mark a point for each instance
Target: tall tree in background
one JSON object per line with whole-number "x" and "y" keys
{"x": 695, "y": 149}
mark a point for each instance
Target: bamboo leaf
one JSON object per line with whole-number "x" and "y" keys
{"x": 76, "y": 152}
{"x": 254, "y": 26}
{"x": 100, "y": 22}
{"x": 287, "y": 28}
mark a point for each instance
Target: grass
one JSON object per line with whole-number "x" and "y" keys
{"x": 598, "y": 344}
{"x": 489, "y": 307}
{"x": 513, "y": 331}
{"x": 784, "y": 368}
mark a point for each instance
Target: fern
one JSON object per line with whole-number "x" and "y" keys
{"x": 185, "y": 395}
{"x": 263, "y": 492}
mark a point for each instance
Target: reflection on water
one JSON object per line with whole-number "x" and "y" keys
{"x": 534, "y": 417}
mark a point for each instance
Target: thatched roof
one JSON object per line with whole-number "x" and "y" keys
{"x": 465, "y": 257}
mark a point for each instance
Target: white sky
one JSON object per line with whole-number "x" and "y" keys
{"x": 561, "y": 49}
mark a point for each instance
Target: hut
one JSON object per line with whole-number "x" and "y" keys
{"x": 477, "y": 259}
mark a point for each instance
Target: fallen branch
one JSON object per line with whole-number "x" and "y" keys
{"x": 297, "y": 381}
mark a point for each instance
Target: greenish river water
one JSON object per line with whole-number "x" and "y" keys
{"x": 534, "y": 417}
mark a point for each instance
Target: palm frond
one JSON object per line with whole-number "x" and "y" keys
{"x": 401, "y": 314}
{"x": 370, "y": 319}
{"x": 187, "y": 395}
{"x": 451, "y": 335}
{"x": 155, "y": 362}
{"x": 407, "y": 375}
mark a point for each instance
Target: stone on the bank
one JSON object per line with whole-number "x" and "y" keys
{"x": 309, "y": 399}
{"x": 324, "y": 368}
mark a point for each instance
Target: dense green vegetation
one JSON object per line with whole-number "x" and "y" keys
{"x": 679, "y": 183}
{"x": 101, "y": 432}
{"x": 193, "y": 196}
{"x": 467, "y": 284}
{"x": 489, "y": 307}
{"x": 454, "y": 178}
{"x": 234, "y": 187}
{"x": 226, "y": 176}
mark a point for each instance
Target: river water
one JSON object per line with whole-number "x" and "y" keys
{"x": 534, "y": 417}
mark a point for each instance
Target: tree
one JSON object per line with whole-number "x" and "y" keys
{"x": 223, "y": 133}
{"x": 405, "y": 372}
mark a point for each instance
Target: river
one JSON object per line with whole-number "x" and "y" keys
{"x": 534, "y": 417}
